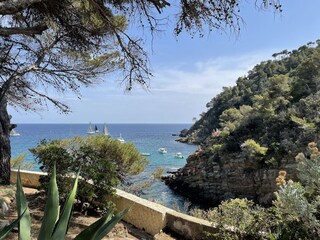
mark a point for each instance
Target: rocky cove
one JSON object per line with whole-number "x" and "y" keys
{"x": 209, "y": 179}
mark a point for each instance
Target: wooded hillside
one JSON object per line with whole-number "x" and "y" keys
{"x": 256, "y": 128}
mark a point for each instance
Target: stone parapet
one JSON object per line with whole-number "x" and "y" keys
{"x": 187, "y": 226}
{"x": 145, "y": 215}
{"x": 28, "y": 178}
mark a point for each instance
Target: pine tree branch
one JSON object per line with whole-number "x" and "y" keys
{"x": 25, "y": 31}
{"x": 14, "y": 6}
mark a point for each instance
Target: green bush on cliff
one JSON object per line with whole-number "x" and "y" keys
{"x": 253, "y": 150}
{"x": 104, "y": 163}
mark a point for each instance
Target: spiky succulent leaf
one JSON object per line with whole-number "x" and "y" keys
{"x": 89, "y": 232}
{"x": 24, "y": 224}
{"x": 7, "y": 229}
{"x": 102, "y": 227}
{"x": 106, "y": 228}
{"x": 63, "y": 222}
{"x": 51, "y": 210}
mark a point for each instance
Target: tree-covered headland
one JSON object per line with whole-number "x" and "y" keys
{"x": 258, "y": 145}
{"x": 254, "y": 129}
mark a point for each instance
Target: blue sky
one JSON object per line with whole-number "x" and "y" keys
{"x": 188, "y": 72}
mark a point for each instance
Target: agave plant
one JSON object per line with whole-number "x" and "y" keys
{"x": 55, "y": 226}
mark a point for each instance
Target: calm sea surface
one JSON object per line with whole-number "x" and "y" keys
{"x": 146, "y": 137}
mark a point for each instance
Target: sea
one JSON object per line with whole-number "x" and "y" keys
{"x": 147, "y": 138}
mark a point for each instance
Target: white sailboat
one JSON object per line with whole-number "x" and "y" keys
{"x": 14, "y": 133}
{"x": 105, "y": 130}
{"x": 120, "y": 139}
{"x": 90, "y": 129}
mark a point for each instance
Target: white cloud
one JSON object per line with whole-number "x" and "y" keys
{"x": 199, "y": 78}
{"x": 177, "y": 94}
{"x": 206, "y": 77}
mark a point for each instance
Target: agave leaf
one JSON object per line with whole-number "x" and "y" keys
{"x": 106, "y": 228}
{"x": 51, "y": 210}
{"x": 61, "y": 227}
{"x": 7, "y": 229}
{"x": 25, "y": 221}
{"x": 88, "y": 233}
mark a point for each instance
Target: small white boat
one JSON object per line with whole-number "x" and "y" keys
{"x": 178, "y": 155}
{"x": 14, "y": 133}
{"x": 145, "y": 154}
{"x": 162, "y": 150}
{"x": 120, "y": 139}
{"x": 90, "y": 129}
{"x": 105, "y": 130}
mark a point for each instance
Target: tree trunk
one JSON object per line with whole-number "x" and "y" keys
{"x": 5, "y": 148}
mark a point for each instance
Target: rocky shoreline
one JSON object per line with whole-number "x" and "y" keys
{"x": 208, "y": 179}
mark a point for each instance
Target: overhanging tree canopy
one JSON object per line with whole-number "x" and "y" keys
{"x": 65, "y": 44}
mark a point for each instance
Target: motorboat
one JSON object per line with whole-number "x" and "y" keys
{"x": 162, "y": 150}
{"x": 145, "y": 154}
{"x": 178, "y": 155}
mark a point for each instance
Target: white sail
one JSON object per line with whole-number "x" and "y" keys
{"x": 90, "y": 129}
{"x": 105, "y": 130}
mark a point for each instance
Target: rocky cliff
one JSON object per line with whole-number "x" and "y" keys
{"x": 253, "y": 130}
{"x": 209, "y": 179}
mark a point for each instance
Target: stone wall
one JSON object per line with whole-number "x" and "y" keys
{"x": 28, "y": 178}
{"x": 148, "y": 216}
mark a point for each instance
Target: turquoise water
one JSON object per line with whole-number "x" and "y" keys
{"x": 146, "y": 137}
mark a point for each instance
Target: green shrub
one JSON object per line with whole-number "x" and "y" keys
{"x": 104, "y": 162}
{"x": 240, "y": 219}
{"x": 252, "y": 150}
{"x": 216, "y": 147}
{"x": 55, "y": 226}
{"x": 299, "y": 202}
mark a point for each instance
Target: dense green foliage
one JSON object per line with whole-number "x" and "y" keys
{"x": 276, "y": 105}
{"x": 299, "y": 202}
{"x": 55, "y": 226}
{"x": 294, "y": 214}
{"x": 240, "y": 219}
{"x": 104, "y": 163}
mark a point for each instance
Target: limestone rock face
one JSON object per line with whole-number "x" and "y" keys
{"x": 211, "y": 179}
